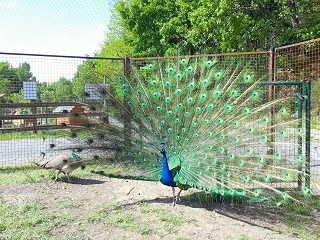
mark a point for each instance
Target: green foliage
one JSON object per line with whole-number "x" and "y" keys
{"x": 60, "y": 91}
{"x": 4, "y": 86}
{"x": 158, "y": 27}
{"x": 19, "y": 98}
{"x": 11, "y": 79}
{"x": 7, "y": 76}
{"x": 85, "y": 74}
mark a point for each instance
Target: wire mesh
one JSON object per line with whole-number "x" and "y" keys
{"x": 285, "y": 143}
{"x": 38, "y": 86}
{"x": 301, "y": 63}
{"x": 39, "y": 94}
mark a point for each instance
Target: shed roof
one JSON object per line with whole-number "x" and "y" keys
{"x": 61, "y": 109}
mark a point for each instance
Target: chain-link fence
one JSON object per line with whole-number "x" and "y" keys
{"x": 301, "y": 63}
{"x": 39, "y": 95}
{"x": 288, "y": 142}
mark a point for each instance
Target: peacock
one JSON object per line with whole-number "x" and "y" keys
{"x": 199, "y": 122}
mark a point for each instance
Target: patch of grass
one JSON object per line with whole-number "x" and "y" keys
{"x": 25, "y": 176}
{"x": 76, "y": 235}
{"x": 127, "y": 221}
{"x": 170, "y": 228}
{"x": 166, "y": 216}
{"x": 29, "y": 220}
{"x": 35, "y": 175}
{"x": 98, "y": 216}
{"x": 54, "y": 133}
{"x": 181, "y": 238}
{"x": 32, "y": 135}
{"x": 120, "y": 218}
{"x": 300, "y": 218}
{"x": 70, "y": 204}
{"x": 244, "y": 238}
{"x": 170, "y": 220}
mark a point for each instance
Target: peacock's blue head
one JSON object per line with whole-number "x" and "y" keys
{"x": 162, "y": 150}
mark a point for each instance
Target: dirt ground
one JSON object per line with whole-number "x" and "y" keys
{"x": 96, "y": 201}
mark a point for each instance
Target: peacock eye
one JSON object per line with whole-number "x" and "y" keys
{"x": 183, "y": 61}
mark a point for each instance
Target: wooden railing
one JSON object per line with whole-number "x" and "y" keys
{"x": 34, "y": 116}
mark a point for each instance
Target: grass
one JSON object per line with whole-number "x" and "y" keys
{"x": 32, "y": 135}
{"x": 70, "y": 205}
{"x": 54, "y": 133}
{"x": 128, "y": 221}
{"x": 120, "y": 218}
{"x": 29, "y": 220}
{"x": 244, "y": 238}
{"x": 300, "y": 218}
{"x": 76, "y": 235}
{"x": 141, "y": 219}
{"x": 32, "y": 216}
{"x": 32, "y": 175}
{"x": 98, "y": 216}
{"x": 170, "y": 221}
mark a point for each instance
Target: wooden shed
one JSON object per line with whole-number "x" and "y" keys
{"x": 69, "y": 120}
{"x": 21, "y": 122}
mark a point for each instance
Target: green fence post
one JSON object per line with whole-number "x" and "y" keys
{"x": 308, "y": 134}
{"x": 299, "y": 108}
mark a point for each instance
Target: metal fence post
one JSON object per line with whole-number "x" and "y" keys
{"x": 271, "y": 93}
{"x": 308, "y": 134}
{"x": 34, "y": 120}
{"x": 299, "y": 108}
{"x": 126, "y": 127}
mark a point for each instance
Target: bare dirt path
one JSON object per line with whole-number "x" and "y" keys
{"x": 107, "y": 208}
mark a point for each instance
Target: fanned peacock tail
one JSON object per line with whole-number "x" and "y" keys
{"x": 221, "y": 131}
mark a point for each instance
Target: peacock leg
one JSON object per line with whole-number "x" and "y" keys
{"x": 174, "y": 196}
{"x": 178, "y": 196}
{"x": 68, "y": 177}
{"x": 57, "y": 176}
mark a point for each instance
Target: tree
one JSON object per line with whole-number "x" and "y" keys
{"x": 63, "y": 90}
{"x": 60, "y": 91}
{"x": 7, "y": 77}
{"x": 86, "y": 74}
{"x": 24, "y": 74}
{"x": 156, "y": 27}
{"x": 19, "y": 98}
{"x": 11, "y": 79}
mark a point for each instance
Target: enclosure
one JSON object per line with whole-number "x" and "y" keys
{"x": 32, "y": 86}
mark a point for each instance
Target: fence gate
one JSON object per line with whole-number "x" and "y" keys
{"x": 299, "y": 104}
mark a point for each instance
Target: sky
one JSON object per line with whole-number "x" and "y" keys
{"x": 57, "y": 27}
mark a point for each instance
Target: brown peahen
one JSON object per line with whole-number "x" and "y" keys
{"x": 64, "y": 164}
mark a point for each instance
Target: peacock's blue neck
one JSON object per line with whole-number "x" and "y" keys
{"x": 166, "y": 174}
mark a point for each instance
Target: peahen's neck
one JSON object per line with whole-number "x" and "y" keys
{"x": 166, "y": 176}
